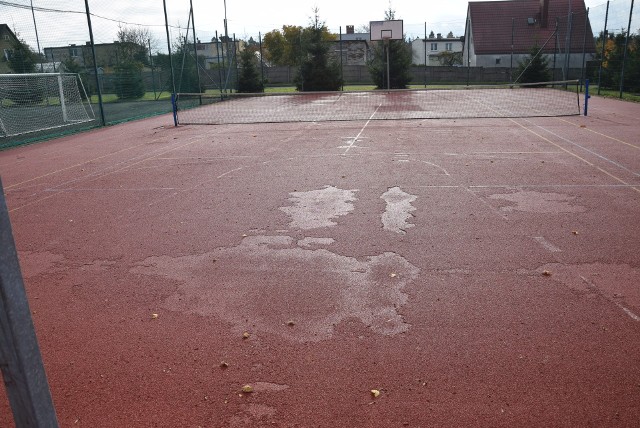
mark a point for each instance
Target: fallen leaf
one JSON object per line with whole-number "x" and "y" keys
{"x": 224, "y": 365}
{"x": 291, "y": 323}
{"x": 245, "y": 335}
{"x": 393, "y": 275}
{"x": 575, "y": 232}
{"x": 247, "y": 389}
{"x": 375, "y": 393}
{"x": 154, "y": 316}
{"x": 546, "y": 273}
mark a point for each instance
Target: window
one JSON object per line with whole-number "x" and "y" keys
{"x": 449, "y": 46}
{"x": 497, "y": 61}
{"x": 74, "y": 52}
{"x": 434, "y": 46}
{"x": 6, "y": 37}
{"x": 7, "y": 54}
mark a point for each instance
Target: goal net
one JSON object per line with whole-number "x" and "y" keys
{"x": 41, "y": 101}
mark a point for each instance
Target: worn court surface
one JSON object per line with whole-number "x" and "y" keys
{"x": 476, "y": 272}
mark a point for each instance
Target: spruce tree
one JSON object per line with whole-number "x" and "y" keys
{"x": 249, "y": 80}
{"x": 533, "y": 69}
{"x": 318, "y": 72}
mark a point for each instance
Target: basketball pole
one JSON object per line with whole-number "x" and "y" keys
{"x": 387, "y": 42}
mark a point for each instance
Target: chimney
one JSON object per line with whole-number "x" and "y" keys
{"x": 350, "y": 29}
{"x": 544, "y": 13}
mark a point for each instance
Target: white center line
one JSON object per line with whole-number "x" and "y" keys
{"x": 352, "y": 142}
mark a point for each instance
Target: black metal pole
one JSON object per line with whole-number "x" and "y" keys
{"x": 218, "y": 47}
{"x": 341, "y": 62}
{"x": 95, "y": 64}
{"x": 235, "y": 60}
{"x": 569, "y": 34}
{"x": 513, "y": 26}
{"x": 195, "y": 47}
{"x": 425, "y": 54}
{"x": 626, "y": 45}
{"x": 584, "y": 48}
{"x": 20, "y": 360}
{"x": 555, "y": 50}
{"x": 604, "y": 44}
{"x": 153, "y": 73}
{"x": 35, "y": 26}
{"x": 468, "y": 42}
{"x": 173, "y": 80}
{"x": 261, "y": 61}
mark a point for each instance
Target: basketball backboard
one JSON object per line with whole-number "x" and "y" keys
{"x": 386, "y": 30}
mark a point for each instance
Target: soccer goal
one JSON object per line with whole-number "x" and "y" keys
{"x": 41, "y": 101}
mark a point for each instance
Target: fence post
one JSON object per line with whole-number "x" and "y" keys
{"x": 261, "y": 62}
{"x": 195, "y": 47}
{"x": 173, "y": 80}
{"x": 587, "y": 95}
{"x": 626, "y": 45}
{"x": 604, "y": 44}
{"x": 95, "y": 65}
{"x": 584, "y": 48}
{"x": 20, "y": 360}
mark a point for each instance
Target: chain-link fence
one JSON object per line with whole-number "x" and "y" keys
{"x": 131, "y": 56}
{"x": 616, "y": 27}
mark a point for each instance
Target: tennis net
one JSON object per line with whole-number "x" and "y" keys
{"x": 489, "y": 101}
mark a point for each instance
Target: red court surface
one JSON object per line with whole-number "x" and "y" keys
{"x": 477, "y": 272}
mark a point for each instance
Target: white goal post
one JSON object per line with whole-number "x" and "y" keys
{"x": 40, "y": 101}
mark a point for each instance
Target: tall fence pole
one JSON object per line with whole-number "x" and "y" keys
{"x": 605, "y": 35}
{"x": 569, "y": 41}
{"x": 173, "y": 80}
{"x": 425, "y": 54}
{"x": 468, "y": 42}
{"x": 20, "y": 360}
{"x": 35, "y": 27}
{"x": 626, "y": 45}
{"x": 555, "y": 50}
{"x": 195, "y": 47}
{"x": 261, "y": 61}
{"x": 95, "y": 64}
{"x": 584, "y": 48}
{"x": 341, "y": 62}
{"x": 513, "y": 26}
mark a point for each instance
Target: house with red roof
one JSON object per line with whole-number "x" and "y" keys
{"x": 502, "y": 33}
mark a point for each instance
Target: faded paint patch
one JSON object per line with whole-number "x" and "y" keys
{"x": 618, "y": 283}
{"x": 318, "y": 208}
{"x": 266, "y": 281}
{"x": 310, "y": 242}
{"x": 33, "y": 264}
{"x": 398, "y": 210}
{"x": 537, "y": 202}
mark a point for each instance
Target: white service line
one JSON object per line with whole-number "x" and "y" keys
{"x": 352, "y": 142}
{"x": 604, "y": 158}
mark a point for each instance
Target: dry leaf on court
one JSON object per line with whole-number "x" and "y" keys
{"x": 375, "y": 393}
{"x": 247, "y": 389}
{"x": 154, "y": 316}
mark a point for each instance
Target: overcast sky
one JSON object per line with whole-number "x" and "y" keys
{"x": 246, "y": 18}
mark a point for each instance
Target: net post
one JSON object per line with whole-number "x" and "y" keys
{"x": 587, "y": 95}
{"x": 62, "y": 102}
{"x": 174, "y": 108}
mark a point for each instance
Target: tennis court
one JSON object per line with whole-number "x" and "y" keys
{"x": 469, "y": 272}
